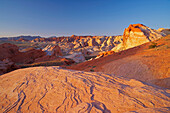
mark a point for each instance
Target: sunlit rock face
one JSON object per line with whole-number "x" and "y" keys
{"x": 73, "y": 43}
{"x": 52, "y": 89}
{"x": 53, "y": 50}
{"x": 137, "y": 34}
{"x": 163, "y": 30}
{"x": 105, "y": 54}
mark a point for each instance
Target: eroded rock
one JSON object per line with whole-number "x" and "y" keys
{"x": 51, "y": 89}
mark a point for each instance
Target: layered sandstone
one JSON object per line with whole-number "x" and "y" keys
{"x": 138, "y": 34}
{"x": 104, "y": 43}
{"x": 53, "y": 50}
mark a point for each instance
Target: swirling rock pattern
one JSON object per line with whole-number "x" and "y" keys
{"x": 51, "y": 89}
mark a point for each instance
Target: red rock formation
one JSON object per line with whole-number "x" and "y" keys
{"x": 7, "y": 65}
{"x": 8, "y": 50}
{"x": 68, "y": 61}
{"x": 29, "y": 56}
{"x": 56, "y": 51}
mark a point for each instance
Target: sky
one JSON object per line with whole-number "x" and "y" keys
{"x": 80, "y": 17}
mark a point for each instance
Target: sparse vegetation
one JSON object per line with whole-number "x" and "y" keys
{"x": 94, "y": 66}
{"x": 153, "y": 45}
{"x": 91, "y": 70}
{"x": 167, "y": 47}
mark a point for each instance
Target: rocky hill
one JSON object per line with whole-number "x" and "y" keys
{"x": 51, "y": 89}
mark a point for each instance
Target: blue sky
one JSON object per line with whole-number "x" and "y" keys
{"x": 80, "y": 17}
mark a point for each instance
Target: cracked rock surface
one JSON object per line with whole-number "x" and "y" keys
{"x": 51, "y": 89}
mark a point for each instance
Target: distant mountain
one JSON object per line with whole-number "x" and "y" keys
{"x": 20, "y": 37}
{"x": 3, "y": 38}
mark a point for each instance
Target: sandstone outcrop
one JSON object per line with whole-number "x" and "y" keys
{"x": 8, "y": 50}
{"x": 12, "y": 52}
{"x": 166, "y": 31}
{"x": 77, "y": 57}
{"x": 138, "y": 34}
{"x": 28, "y": 57}
{"x": 104, "y": 43}
{"x": 56, "y": 51}
{"x": 51, "y": 89}
{"x": 6, "y": 66}
{"x": 53, "y": 50}
{"x": 105, "y": 54}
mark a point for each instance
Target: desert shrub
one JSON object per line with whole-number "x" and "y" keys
{"x": 153, "y": 45}
{"x": 94, "y": 66}
{"x": 167, "y": 47}
{"x": 91, "y": 70}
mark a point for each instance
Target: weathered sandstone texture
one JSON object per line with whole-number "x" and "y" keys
{"x": 51, "y": 89}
